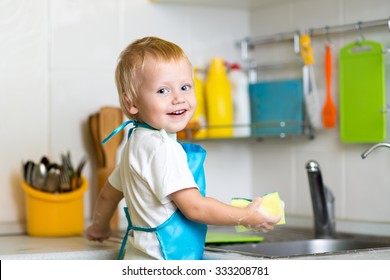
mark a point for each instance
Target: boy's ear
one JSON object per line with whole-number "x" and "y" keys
{"x": 131, "y": 108}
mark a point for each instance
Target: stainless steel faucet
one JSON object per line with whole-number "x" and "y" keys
{"x": 322, "y": 201}
{"x": 369, "y": 150}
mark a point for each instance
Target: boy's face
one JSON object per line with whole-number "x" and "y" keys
{"x": 166, "y": 97}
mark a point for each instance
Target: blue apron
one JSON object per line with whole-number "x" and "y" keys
{"x": 179, "y": 237}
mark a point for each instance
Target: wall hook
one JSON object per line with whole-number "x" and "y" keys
{"x": 326, "y": 31}
{"x": 297, "y": 44}
{"x": 386, "y": 51}
{"x": 244, "y": 49}
{"x": 388, "y": 23}
{"x": 359, "y": 28}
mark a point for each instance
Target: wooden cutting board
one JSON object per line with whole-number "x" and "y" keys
{"x": 109, "y": 119}
{"x": 362, "y": 93}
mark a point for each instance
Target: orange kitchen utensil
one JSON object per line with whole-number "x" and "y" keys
{"x": 329, "y": 112}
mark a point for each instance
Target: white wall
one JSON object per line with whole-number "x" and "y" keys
{"x": 57, "y": 60}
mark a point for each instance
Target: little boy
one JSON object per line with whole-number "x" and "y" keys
{"x": 161, "y": 179}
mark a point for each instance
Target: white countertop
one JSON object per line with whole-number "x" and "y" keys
{"x": 25, "y": 247}
{"x": 22, "y": 247}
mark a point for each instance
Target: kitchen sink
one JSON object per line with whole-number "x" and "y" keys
{"x": 300, "y": 247}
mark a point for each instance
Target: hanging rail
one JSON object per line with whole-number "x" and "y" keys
{"x": 359, "y": 26}
{"x": 248, "y": 43}
{"x": 314, "y": 32}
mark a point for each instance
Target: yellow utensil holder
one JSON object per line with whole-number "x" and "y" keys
{"x": 55, "y": 214}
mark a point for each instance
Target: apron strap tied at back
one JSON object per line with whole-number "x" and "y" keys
{"x": 135, "y": 124}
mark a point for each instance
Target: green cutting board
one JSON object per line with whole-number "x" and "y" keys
{"x": 220, "y": 237}
{"x": 362, "y": 93}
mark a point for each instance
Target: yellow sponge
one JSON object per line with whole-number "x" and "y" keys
{"x": 240, "y": 202}
{"x": 270, "y": 203}
{"x": 273, "y": 206}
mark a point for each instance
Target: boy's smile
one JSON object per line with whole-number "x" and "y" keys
{"x": 178, "y": 112}
{"x": 166, "y": 97}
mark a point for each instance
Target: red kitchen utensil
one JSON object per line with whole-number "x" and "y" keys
{"x": 329, "y": 112}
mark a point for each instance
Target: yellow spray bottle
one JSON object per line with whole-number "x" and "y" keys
{"x": 219, "y": 102}
{"x": 196, "y": 127}
{"x": 200, "y": 113}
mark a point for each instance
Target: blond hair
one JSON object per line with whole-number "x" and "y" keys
{"x": 131, "y": 61}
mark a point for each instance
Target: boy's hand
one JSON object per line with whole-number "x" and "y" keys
{"x": 92, "y": 234}
{"x": 261, "y": 220}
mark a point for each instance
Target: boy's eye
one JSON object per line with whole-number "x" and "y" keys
{"x": 163, "y": 91}
{"x": 186, "y": 87}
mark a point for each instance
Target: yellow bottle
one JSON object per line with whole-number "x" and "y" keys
{"x": 199, "y": 117}
{"x": 196, "y": 127}
{"x": 219, "y": 102}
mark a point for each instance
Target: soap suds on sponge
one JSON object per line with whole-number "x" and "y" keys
{"x": 271, "y": 204}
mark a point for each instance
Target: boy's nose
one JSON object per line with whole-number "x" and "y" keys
{"x": 178, "y": 97}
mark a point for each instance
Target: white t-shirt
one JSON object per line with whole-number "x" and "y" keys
{"x": 153, "y": 165}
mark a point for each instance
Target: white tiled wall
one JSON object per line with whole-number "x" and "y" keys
{"x": 361, "y": 187}
{"x": 24, "y": 96}
{"x": 57, "y": 61}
